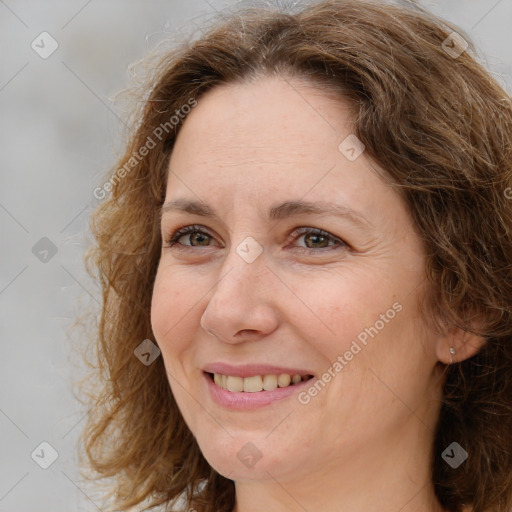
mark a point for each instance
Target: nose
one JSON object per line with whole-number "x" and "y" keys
{"x": 240, "y": 308}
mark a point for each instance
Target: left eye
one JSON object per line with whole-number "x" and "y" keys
{"x": 316, "y": 238}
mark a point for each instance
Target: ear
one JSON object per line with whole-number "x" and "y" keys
{"x": 465, "y": 345}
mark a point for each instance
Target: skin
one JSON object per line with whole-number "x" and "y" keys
{"x": 365, "y": 441}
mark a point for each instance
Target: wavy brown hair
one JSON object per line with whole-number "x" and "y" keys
{"x": 439, "y": 124}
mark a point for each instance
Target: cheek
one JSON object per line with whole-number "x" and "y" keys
{"x": 370, "y": 327}
{"x": 338, "y": 310}
{"x": 171, "y": 310}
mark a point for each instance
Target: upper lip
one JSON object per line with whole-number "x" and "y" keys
{"x": 250, "y": 370}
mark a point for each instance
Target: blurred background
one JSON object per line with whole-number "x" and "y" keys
{"x": 62, "y": 62}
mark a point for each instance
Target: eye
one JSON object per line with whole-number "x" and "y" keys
{"x": 317, "y": 239}
{"x": 197, "y": 237}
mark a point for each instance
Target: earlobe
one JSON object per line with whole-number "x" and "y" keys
{"x": 458, "y": 346}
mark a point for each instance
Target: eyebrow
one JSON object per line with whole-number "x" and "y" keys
{"x": 277, "y": 212}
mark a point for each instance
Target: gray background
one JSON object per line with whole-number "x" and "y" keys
{"x": 60, "y": 132}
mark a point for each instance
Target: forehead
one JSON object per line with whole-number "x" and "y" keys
{"x": 286, "y": 129}
{"x": 264, "y": 114}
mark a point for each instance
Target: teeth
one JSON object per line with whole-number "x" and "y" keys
{"x": 283, "y": 380}
{"x": 235, "y": 383}
{"x": 255, "y": 383}
{"x": 269, "y": 382}
{"x": 296, "y": 378}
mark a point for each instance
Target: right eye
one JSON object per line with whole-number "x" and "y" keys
{"x": 197, "y": 237}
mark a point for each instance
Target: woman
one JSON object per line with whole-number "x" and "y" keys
{"x": 305, "y": 260}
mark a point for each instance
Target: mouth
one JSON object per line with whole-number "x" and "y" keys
{"x": 256, "y": 383}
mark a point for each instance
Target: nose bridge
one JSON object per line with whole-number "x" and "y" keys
{"x": 241, "y": 276}
{"x": 244, "y": 263}
{"x": 238, "y": 300}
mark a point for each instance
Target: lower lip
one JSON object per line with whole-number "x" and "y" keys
{"x": 245, "y": 400}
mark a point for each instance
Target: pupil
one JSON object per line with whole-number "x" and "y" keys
{"x": 315, "y": 238}
{"x": 199, "y": 238}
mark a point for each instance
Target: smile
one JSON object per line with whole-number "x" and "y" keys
{"x": 256, "y": 383}
{"x": 255, "y": 391}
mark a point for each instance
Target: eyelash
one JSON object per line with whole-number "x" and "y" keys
{"x": 174, "y": 237}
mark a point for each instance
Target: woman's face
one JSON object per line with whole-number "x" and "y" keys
{"x": 270, "y": 286}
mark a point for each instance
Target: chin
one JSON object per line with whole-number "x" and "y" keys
{"x": 241, "y": 457}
